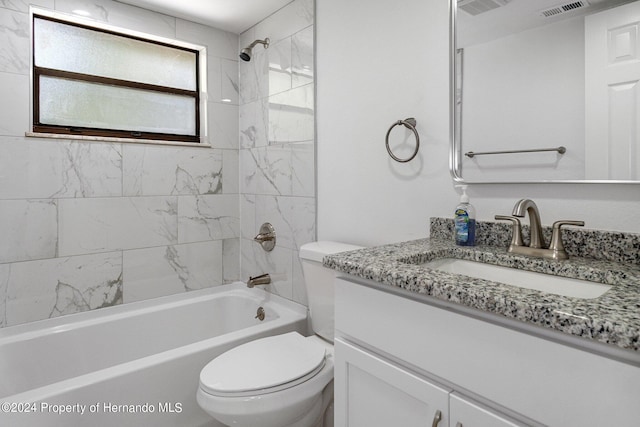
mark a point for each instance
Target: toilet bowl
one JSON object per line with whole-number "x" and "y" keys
{"x": 284, "y": 380}
{"x": 271, "y": 382}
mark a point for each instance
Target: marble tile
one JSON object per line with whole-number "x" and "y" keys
{"x": 154, "y": 272}
{"x": 153, "y": 170}
{"x": 230, "y": 86}
{"x": 299, "y": 290}
{"x": 122, "y": 15}
{"x": 303, "y": 169}
{"x": 55, "y": 287}
{"x": 223, "y": 125}
{"x": 231, "y": 260}
{"x": 248, "y": 229}
{"x": 277, "y": 263}
{"x": 109, "y": 224}
{"x": 279, "y": 57}
{"x": 254, "y": 124}
{"x": 231, "y": 174}
{"x": 291, "y": 116}
{"x": 302, "y": 66}
{"x": 23, "y": 5}
{"x": 28, "y": 229}
{"x": 14, "y": 42}
{"x": 214, "y": 79}
{"x": 43, "y": 168}
{"x": 292, "y": 18}
{"x": 266, "y": 170}
{"x": 254, "y": 76}
{"x": 247, "y": 37}
{"x": 208, "y": 217}
{"x": 219, "y": 43}
{"x": 91, "y": 170}
{"x": 14, "y": 115}
{"x": 5, "y": 271}
{"x": 292, "y": 217}
{"x": 33, "y": 166}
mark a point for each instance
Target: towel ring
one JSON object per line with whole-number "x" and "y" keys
{"x": 409, "y": 123}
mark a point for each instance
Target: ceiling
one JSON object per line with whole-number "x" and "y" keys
{"x": 234, "y": 16}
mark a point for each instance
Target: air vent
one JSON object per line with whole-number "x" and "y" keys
{"x": 564, "y": 8}
{"x": 476, "y": 7}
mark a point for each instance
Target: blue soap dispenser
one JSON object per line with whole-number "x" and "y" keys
{"x": 465, "y": 220}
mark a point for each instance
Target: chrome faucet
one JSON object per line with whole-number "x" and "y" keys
{"x": 537, "y": 245}
{"x": 263, "y": 279}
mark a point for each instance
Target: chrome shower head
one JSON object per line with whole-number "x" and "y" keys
{"x": 245, "y": 54}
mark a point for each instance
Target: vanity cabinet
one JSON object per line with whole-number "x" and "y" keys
{"x": 373, "y": 392}
{"x": 400, "y": 359}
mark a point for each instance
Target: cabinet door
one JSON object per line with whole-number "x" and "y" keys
{"x": 466, "y": 414}
{"x": 373, "y": 392}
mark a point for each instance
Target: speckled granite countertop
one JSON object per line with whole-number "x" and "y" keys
{"x": 613, "y": 318}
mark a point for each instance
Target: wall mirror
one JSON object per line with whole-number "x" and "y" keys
{"x": 530, "y": 75}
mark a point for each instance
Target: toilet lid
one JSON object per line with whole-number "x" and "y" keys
{"x": 263, "y": 366}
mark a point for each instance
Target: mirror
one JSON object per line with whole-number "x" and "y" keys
{"x": 545, "y": 91}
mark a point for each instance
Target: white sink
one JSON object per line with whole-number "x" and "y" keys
{"x": 521, "y": 278}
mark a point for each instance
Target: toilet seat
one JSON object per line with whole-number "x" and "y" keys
{"x": 263, "y": 366}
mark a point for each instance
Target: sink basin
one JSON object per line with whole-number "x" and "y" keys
{"x": 564, "y": 286}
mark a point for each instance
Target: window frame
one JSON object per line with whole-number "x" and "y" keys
{"x": 199, "y": 95}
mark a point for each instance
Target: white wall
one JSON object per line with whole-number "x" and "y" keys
{"x": 381, "y": 61}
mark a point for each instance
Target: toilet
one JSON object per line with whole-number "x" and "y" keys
{"x": 284, "y": 380}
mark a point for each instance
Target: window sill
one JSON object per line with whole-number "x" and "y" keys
{"x": 114, "y": 140}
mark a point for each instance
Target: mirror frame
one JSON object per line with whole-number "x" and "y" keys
{"x": 455, "y": 145}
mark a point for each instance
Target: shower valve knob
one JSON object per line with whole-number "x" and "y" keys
{"x": 266, "y": 237}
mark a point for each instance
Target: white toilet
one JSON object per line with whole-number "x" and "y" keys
{"x": 284, "y": 380}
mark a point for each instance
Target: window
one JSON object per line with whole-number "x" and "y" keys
{"x": 96, "y": 80}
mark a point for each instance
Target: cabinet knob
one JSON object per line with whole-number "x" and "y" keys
{"x": 436, "y": 419}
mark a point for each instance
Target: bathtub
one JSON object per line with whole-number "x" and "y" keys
{"x": 132, "y": 365}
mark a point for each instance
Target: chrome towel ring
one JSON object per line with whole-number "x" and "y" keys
{"x": 409, "y": 123}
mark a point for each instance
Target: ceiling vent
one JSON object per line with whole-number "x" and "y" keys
{"x": 564, "y": 8}
{"x": 476, "y": 7}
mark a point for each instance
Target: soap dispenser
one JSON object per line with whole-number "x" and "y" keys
{"x": 465, "y": 220}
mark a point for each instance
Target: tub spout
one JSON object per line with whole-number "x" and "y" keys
{"x": 263, "y": 279}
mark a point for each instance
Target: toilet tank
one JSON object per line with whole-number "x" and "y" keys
{"x": 318, "y": 282}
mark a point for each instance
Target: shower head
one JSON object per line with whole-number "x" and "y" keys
{"x": 245, "y": 54}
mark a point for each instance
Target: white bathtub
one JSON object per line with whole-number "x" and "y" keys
{"x": 132, "y": 365}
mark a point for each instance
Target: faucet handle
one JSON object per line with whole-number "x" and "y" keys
{"x": 516, "y": 235}
{"x": 556, "y": 244}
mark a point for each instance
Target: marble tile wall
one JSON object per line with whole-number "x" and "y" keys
{"x": 277, "y": 146}
{"x": 86, "y": 225}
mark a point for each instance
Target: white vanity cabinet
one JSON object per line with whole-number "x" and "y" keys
{"x": 374, "y": 392}
{"x": 371, "y": 391}
{"x": 398, "y": 361}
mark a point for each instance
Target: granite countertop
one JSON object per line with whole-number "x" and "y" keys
{"x": 613, "y": 318}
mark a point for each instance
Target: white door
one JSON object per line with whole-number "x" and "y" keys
{"x": 466, "y": 414}
{"x": 612, "y": 75}
{"x": 373, "y": 392}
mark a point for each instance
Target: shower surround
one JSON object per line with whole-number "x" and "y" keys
{"x": 93, "y": 224}
{"x": 277, "y": 146}
{"x": 87, "y": 225}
